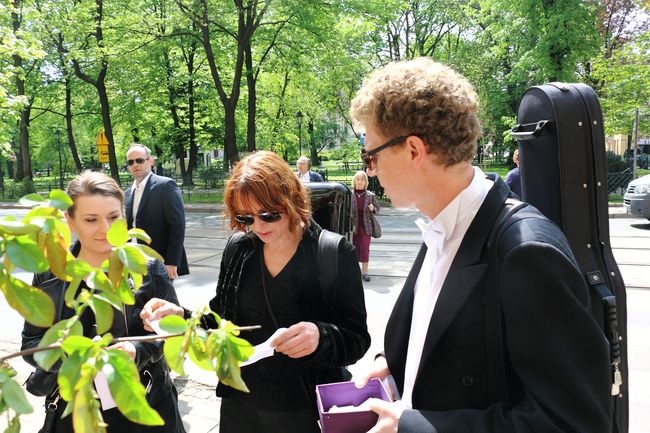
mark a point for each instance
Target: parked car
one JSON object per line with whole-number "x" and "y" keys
{"x": 637, "y": 197}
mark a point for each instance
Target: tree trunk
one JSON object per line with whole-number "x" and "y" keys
{"x": 108, "y": 126}
{"x": 68, "y": 124}
{"x": 252, "y": 99}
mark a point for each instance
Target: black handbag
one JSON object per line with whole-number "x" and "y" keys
{"x": 51, "y": 405}
{"x": 376, "y": 228}
{"x": 41, "y": 383}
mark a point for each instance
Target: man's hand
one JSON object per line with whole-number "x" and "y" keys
{"x": 389, "y": 415}
{"x": 379, "y": 370}
{"x": 156, "y": 308}
{"x": 171, "y": 271}
{"x": 298, "y": 340}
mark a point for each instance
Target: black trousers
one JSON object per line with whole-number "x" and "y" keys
{"x": 239, "y": 417}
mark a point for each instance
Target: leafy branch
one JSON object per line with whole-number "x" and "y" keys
{"x": 40, "y": 242}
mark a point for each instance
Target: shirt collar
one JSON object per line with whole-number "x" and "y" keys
{"x": 440, "y": 229}
{"x": 137, "y": 185}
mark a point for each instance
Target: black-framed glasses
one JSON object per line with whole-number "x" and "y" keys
{"x": 368, "y": 156}
{"x": 267, "y": 217}
{"x": 138, "y": 161}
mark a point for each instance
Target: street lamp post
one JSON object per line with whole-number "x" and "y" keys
{"x": 57, "y": 137}
{"x": 299, "y": 117}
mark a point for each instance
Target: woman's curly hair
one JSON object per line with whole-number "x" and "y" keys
{"x": 424, "y": 98}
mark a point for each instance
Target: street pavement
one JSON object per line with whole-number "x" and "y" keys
{"x": 391, "y": 257}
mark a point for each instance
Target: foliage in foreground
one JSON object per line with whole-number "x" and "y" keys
{"x": 41, "y": 241}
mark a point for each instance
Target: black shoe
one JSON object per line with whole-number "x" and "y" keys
{"x": 366, "y": 277}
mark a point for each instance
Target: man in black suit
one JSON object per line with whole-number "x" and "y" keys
{"x": 155, "y": 205}
{"x": 492, "y": 330}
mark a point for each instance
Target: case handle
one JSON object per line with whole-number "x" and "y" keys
{"x": 520, "y": 135}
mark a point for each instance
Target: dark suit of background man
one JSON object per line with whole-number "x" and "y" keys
{"x": 158, "y": 209}
{"x": 483, "y": 338}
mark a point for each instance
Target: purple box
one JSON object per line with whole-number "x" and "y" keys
{"x": 346, "y": 394}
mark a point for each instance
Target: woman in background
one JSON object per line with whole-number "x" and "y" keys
{"x": 366, "y": 203}
{"x": 97, "y": 202}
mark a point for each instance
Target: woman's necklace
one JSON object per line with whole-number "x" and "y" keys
{"x": 359, "y": 194}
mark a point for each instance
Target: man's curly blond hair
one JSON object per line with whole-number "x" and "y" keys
{"x": 424, "y": 98}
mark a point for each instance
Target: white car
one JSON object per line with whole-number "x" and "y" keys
{"x": 637, "y": 197}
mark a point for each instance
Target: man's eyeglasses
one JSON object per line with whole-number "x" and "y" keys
{"x": 138, "y": 161}
{"x": 368, "y": 156}
{"x": 267, "y": 217}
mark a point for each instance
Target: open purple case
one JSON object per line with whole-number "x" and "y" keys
{"x": 346, "y": 394}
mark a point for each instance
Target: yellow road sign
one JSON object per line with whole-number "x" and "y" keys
{"x": 101, "y": 138}
{"x": 102, "y": 151}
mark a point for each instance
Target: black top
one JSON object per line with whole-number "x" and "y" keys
{"x": 295, "y": 295}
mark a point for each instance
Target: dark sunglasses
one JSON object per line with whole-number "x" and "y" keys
{"x": 267, "y": 217}
{"x": 137, "y": 161}
{"x": 368, "y": 156}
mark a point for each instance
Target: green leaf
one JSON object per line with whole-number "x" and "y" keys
{"x": 99, "y": 281}
{"x": 125, "y": 292}
{"x": 33, "y": 304}
{"x": 31, "y": 200}
{"x": 127, "y": 390}
{"x": 150, "y": 252}
{"x": 173, "y": 351}
{"x": 76, "y": 343}
{"x": 86, "y": 413}
{"x": 229, "y": 350}
{"x": 69, "y": 375}
{"x": 16, "y": 228}
{"x": 71, "y": 292}
{"x": 115, "y": 268}
{"x": 139, "y": 234}
{"x": 103, "y": 314}
{"x": 134, "y": 259}
{"x": 109, "y": 298}
{"x": 173, "y": 324}
{"x": 15, "y": 397}
{"x": 198, "y": 355}
{"x": 78, "y": 268}
{"x": 26, "y": 254}
{"x": 59, "y": 200}
{"x": 56, "y": 249}
{"x": 118, "y": 233}
{"x": 46, "y": 359}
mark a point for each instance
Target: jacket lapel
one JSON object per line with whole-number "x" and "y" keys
{"x": 146, "y": 192}
{"x": 466, "y": 269}
{"x": 397, "y": 332}
{"x": 128, "y": 205}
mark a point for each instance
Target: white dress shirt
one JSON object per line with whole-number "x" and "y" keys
{"x": 443, "y": 236}
{"x": 304, "y": 178}
{"x": 138, "y": 189}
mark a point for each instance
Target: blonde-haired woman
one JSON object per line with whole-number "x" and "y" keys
{"x": 366, "y": 203}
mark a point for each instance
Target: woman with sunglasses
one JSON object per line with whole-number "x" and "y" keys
{"x": 365, "y": 204}
{"x": 269, "y": 277}
{"x": 98, "y": 201}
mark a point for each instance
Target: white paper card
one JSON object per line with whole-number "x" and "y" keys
{"x": 104, "y": 393}
{"x": 263, "y": 350}
{"x": 155, "y": 325}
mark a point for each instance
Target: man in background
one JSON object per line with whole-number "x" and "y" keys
{"x": 155, "y": 205}
{"x": 304, "y": 171}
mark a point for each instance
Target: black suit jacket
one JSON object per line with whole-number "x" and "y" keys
{"x": 537, "y": 363}
{"x": 162, "y": 216}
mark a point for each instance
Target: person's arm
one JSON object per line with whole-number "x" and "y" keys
{"x": 156, "y": 284}
{"x": 555, "y": 348}
{"x": 345, "y": 339}
{"x": 174, "y": 214}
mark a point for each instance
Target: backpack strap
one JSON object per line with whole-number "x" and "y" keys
{"x": 327, "y": 257}
{"x": 496, "y": 364}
